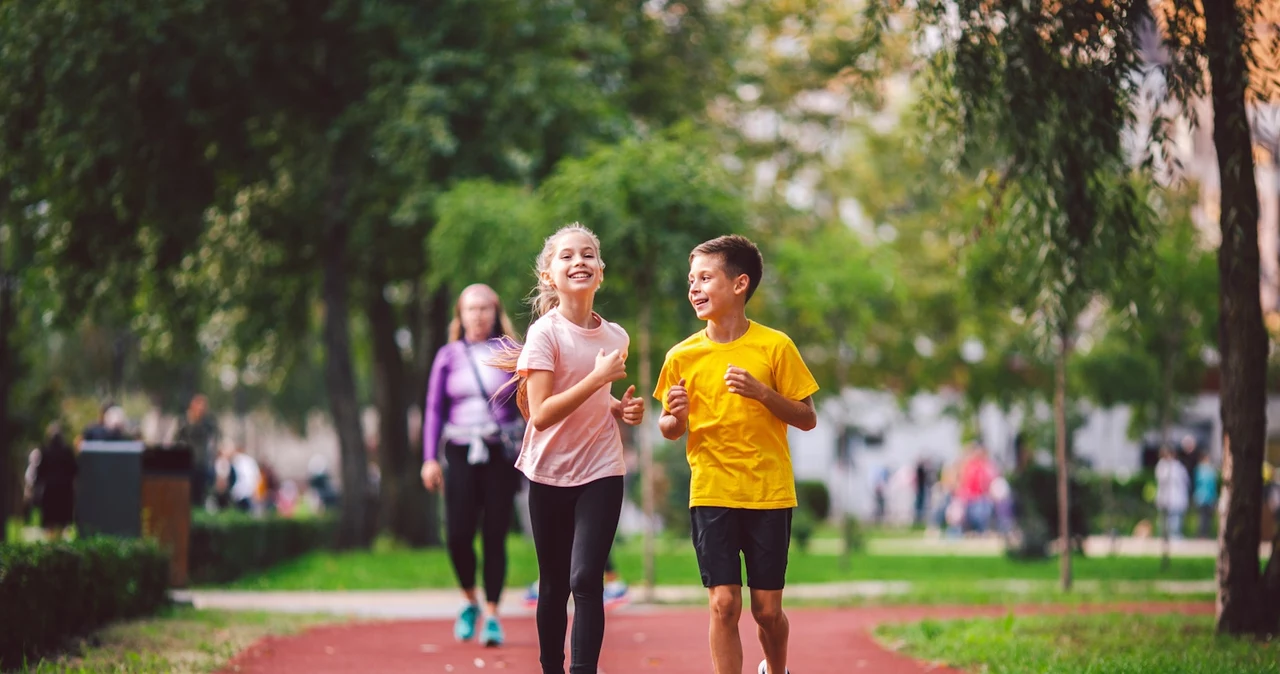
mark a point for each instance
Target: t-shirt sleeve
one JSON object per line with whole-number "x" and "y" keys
{"x": 539, "y": 351}
{"x": 795, "y": 382}
{"x": 667, "y": 377}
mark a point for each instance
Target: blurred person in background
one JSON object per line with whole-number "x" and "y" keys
{"x": 30, "y": 499}
{"x": 199, "y": 431}
{"x": 465, "y": 427}
{"x": 1205, "y": 495}
{"x": 248, "y": 478}
{"x": 55, "y": 483}
{"x": 1172, "y": 486}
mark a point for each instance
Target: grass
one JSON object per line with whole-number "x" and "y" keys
{"x": 179, "y": 640}
{"x": 390, "y": 568}
{"x": 1110, "y": 643}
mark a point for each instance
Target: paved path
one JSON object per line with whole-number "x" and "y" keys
{"x": 430, "y": 604}
{"x": 638, "y": 640}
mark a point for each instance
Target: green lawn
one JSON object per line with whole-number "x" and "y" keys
{"x": 390, "y": 569}
{"x": 178, "y": 640}
{"x": 1106, "y": 643}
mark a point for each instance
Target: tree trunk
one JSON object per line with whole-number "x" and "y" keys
{"x": 1243, "y": 604}
{"x": 1060, "y": 453}
{"x": 340, "y": 378}
{"x": 403, "y": 503}
{"x": 431, "y": 331}
{"x": 645, "y": 429}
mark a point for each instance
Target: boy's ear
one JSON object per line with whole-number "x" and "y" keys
{"x": 741, "y": 284}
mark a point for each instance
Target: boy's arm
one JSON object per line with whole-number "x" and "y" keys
{"x": 798, "y": 413}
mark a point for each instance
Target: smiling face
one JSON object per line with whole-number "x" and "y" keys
{"x": 575, "y": 267}
{"x": 712, "y": 292}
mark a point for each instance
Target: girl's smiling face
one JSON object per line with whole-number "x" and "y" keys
{"x": 575, "y": 265}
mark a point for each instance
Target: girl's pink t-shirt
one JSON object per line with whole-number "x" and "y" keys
{"x": 586, "y": 445}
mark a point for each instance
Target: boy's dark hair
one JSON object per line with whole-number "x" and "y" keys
{"x": 738, "y": 255}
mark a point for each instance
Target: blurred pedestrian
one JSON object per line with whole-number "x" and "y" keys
{"x": 1172, "y": 483}
{"x": 55, "y": 482}
{"x": 476, "y": 437}
{"x": 199, "y": 432}
{"x": 30, "y": 497}
{"x": 1205, "y": 495}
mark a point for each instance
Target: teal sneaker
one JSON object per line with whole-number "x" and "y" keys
{"x": 491, "y": 635}
{"x": 464, "y": 628}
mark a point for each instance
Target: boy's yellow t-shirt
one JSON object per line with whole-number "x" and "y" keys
{"x": 737, "y": 449}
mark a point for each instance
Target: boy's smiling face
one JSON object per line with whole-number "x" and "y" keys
{"x": 711, "y": 290}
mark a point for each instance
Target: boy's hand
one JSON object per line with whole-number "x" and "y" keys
{"x": 631, "y": 408}
{"x": 610, "y": 367}
{"x": 678, "y": 402}
{"x": 741, "y": 382}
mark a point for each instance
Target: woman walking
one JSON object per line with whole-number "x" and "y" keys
{"x": 476, "y": 435}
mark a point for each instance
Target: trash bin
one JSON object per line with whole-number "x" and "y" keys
{"x": 130, "y": 490}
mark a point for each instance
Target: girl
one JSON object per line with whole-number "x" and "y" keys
{"x": 465, "y": 428}
{"x": 572, "y": 452}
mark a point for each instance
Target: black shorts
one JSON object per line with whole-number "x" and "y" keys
{"x": 762, "y": 536}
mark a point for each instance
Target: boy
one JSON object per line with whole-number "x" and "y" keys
{"x": 735, "y": 387}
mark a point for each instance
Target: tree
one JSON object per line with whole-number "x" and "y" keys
{"x": 1248, "y": 600}
{"x": 650, "y": 201}
{"x": 1064, "y": 216}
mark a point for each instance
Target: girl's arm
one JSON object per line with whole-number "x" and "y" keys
{"x": 547, "y": 410}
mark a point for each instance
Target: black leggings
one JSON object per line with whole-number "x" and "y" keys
{"x": 573, "y": 529}
{"x": 471, "y": 492}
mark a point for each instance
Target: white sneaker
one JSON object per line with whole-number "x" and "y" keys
{"x": 764, "y": 668}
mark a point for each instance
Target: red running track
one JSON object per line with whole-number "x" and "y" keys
{"x": 637, "y": 640}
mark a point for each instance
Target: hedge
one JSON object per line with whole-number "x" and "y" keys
{"x": 50, "y": 592}
{"x": 226, "y": 546}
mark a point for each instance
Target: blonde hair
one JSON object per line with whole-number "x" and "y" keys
{"x": 542, "y": 299}
{"x": 502, "y": 326}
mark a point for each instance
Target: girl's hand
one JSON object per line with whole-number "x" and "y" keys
{"x": 432, "y": 476}
{"x": 631, "y": 408}
{"x": 610, "y": 367}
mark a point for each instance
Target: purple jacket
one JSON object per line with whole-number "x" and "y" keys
{"x": 454, "y": 397}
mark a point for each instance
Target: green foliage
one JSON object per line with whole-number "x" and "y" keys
{"x": 1035, "y": 489}
{"x": 814, "y": 497}
{"x": 486, "y": 233}
{"x": 650, "y": 200}
{"x": 56, "y": 591}
{"x": 229, "y": 545}
{"x": 672, "y": 490}
{"x": 803, "y": 524}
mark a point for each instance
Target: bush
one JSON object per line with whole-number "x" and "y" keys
{"x": 802, "y": 528}
{"x": 226, "y": 546}
{"x": 55, "y": 591}
{"x": 813, "y": 496}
